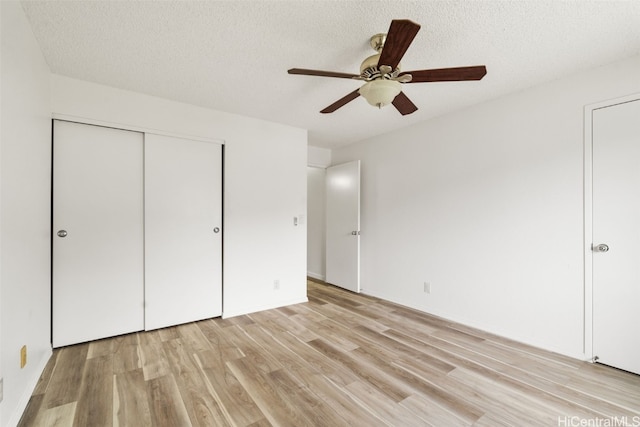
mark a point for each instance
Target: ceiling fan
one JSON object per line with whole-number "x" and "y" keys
{"x": 382, "y": 73}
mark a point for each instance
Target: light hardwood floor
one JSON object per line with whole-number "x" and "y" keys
{"x": 341, "y": 359}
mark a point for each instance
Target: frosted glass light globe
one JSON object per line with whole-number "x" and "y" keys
{"x": 380, "y": 92}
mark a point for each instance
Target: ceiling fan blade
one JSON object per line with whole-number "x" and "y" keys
{"x": 401, "y": 34}
{"x": 403, "y": 104}
{"x": 341, "y": 102}
{"x": 447, "y": 74}
{"x": 321, "y": 73}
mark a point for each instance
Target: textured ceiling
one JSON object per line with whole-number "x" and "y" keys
{"x": 233, "y": 56}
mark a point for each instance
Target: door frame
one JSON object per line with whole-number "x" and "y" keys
{"x": 588, "y": 216}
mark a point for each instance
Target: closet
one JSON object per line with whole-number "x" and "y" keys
{"x": 137, "y": 231}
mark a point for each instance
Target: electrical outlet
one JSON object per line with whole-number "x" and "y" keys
{"x": 276, "y": 284}
{"x": 23, "y": 356}
{"x": 427, "y": 287}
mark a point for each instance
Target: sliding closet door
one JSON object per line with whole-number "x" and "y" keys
{"x": 97, "y": 233}
{"x": 183, "y": 230}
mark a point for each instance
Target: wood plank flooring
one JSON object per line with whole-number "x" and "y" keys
{"x": 340, "y": 360}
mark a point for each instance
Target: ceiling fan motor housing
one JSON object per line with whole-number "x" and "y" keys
{"x": 369, "y": 69}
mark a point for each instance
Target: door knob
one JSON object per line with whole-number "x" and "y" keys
{"x": 62, "y": 233}
{"x": 600, "y": 248}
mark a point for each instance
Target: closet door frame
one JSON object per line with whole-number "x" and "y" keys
{"x": 143, "y": 130}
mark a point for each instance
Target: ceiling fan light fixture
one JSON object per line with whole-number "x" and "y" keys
{"x": 380, "y": 92}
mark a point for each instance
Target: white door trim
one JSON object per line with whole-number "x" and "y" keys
{"x": 588, "y": 215}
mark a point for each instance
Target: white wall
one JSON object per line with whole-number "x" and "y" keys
{"x": 25, "y": 179}
{"x": 318, "y": 157}
{"x": 486, "y": 204}
{"x": 316, "y": 222}
{"x": 264, "y": 179}
{"x": 1, "y": 73}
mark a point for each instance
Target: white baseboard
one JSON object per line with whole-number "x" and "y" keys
{"x": 316, "y": 276}
{"x": 254, "y": 309}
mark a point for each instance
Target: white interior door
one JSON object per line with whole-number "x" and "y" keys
{"x": 183, "y": 230}
{"x": 97, "y": 233}
{"x": 616, "y": 235}
{"x": 343, "y": 226}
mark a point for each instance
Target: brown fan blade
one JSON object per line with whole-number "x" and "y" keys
{"x": 447, "y": 74}
{"x": 403, "y": 104}
{"x": 401, "y": 34}
{"x": 341, "y": 102}
{"x": 322, "y": 73}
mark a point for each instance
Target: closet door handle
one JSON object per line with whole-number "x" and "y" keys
{"x": 62, "y": 233}
{"x": 600, "y": 248}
